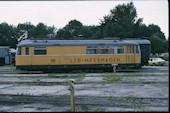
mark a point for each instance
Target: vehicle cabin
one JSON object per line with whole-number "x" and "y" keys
{"x": 145, "y": 47}
{"x": 76, "y": 54}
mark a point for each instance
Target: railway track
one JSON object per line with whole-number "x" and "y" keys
{"x": 142, "y": 89}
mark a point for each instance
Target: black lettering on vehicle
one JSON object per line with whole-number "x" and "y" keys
{"x": 94, "y": 60}
{"x": 78, "y": 60}
{"x": 102, "y": 60}
{"x": 74, "y": 61}
{"x": 110, "y": 60}
{"x": 86, "y": 60}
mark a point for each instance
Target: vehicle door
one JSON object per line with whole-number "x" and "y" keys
{"x": 130, "y": 56}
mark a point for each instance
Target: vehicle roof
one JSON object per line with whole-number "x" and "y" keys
{"x": 139, "y": 41}
{"x": 135, "y": 39}
{"x": 73, "y": 42}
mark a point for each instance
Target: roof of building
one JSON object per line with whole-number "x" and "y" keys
{"x": 4, "y": 46}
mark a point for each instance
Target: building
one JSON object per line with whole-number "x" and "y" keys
{"x": 6, "y": 57}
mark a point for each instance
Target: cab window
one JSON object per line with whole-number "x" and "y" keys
{"x": 137, "y": 49}
{"x": 19, "y": 51}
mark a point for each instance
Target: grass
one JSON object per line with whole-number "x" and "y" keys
{"x": 80, "y": 77}
{"x": 80, "y": 109}
{"x": 112, "y": 78}
{"x": 125, "y": 99}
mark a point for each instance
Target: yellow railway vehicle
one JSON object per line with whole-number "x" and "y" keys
{"x": 77, "y": 54}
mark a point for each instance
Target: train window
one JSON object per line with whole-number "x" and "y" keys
{"x": 19, "y": 51}
{"x": 111, "y": 50}
{"x": 99, "y": 50}
{"x": 137, "y": 49}
{"x": 118, "y": 50}
{"x": 132, "y": 49}
{"x": 91, "y": 50}
{"x": 40, "y": 51}
{"x": 26, "y": 51}
{"x": 104, "y": 51}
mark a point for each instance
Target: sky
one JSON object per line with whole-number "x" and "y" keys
{"x": 59, "y": 13}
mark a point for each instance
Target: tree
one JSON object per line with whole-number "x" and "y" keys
{"x": 72, "y": 30}
{"x": 120, "y": 22}
{"x": 26, "y": 27}
{"x": 157, "y": 45}
{"x": 76, "y": 30}
{"x": 155, "y": 29}
{"x": 8, "y": 35}
{"x": 74, "y": 27}
{"x": 40, "y": 31}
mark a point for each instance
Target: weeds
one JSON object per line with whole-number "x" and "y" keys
{"x": 125, "y": 99}
{"x": 112, "y": 79}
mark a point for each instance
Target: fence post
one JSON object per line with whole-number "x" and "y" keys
{"x": 72, "y": 95}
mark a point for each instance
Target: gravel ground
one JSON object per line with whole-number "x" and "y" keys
{"x": 145, "y": 89}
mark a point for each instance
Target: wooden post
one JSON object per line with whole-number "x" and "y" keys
{"x": 72, "y": 95}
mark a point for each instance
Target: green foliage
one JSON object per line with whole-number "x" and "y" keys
{"x": 112, "y": 78}
{"x": 126, "y": 99}
{"x": 75, "y": 30}
{"x": 157, "y": 44}
{"x": 27, "y": 27}
{"x": 120, "y": 22}
{"x": 8, "y": 35}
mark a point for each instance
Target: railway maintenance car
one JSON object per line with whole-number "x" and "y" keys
{"x": 56, "y": 55}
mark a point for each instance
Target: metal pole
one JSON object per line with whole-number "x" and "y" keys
{"x": 114, "y": 68}
{"x": 72, "y": 95}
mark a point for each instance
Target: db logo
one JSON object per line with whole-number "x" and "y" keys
{"x": 52, "y": 60}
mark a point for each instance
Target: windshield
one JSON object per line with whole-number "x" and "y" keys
{"x": 157, "y": 59}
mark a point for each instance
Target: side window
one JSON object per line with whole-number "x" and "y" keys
{"x": 118, "y": 50}
{"x": 19, "y": 51}
{"x": 26, "y": 51}
{"x": 137, "y": 49}
{"x": 111, "y": 50}
{"x": 91, "y": 50}
{"x": 99, "y": 50}
{"x": 104, "y": 51}
{"x": 40, "y": 51}
{"x": 132, "y": 49}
